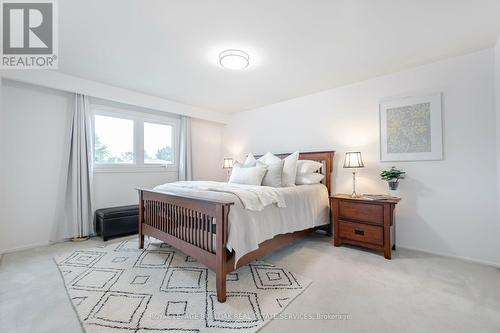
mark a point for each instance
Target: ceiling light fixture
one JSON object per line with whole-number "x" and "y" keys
{"x": 234, "y": 59}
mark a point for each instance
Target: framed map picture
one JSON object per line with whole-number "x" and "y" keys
{"x": 410, "y": 129}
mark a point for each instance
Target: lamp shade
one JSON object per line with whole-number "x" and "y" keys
{"x": 353, "y": 160}
{"x": 228, "y": 163}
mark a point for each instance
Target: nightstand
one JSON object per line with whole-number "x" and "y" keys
{"x": 364, "y": 222}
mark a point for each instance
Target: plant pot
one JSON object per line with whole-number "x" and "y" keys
{"x": 393, "y": 185}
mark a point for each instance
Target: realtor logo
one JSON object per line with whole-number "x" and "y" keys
{"x": 29, "y": 34}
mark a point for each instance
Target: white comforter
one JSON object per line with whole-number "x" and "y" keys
{"x": 260, "y": 212}
{"x": 251, "y": 197}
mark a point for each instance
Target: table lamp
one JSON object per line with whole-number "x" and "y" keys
{"x": 228, "y": 164}
{"x": 353, "y": 161}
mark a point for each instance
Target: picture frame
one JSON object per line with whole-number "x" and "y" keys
{"x": 411, "y": 128}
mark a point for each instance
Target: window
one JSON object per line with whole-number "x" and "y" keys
{"x": 157, "y": 143}
{"x": 132, "y": 141}
{"x": 113, "y": 140}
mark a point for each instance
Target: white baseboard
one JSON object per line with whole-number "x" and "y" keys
{"x": 447, "y": 255}
{"x": 36, "y": 245}
{"x": 23, "y": 248}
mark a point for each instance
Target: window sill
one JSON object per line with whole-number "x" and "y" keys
{"x": 135, "y": 169}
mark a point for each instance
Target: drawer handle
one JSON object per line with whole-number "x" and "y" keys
{"x": 359, "y": 232}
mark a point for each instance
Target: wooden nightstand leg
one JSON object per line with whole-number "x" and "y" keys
{"x": 387, "y": 231}
{"x": 394, "y": 229}
{"x": 334, "y": 226}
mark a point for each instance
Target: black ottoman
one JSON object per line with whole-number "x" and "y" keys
{"x": 117, "y": 221}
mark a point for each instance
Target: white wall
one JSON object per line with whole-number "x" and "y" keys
{"x": 119, "y": 188}
{"x": 32, "y": 136}
{"x": 33, "y": 128}
{"x": 207, "y": 150}
{"x": 497, "y": 113}
{"x": 2, "y": 194}
{"x": 448, "y": 206}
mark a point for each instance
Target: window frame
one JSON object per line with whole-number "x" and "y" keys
{"x": 138, "y": 118}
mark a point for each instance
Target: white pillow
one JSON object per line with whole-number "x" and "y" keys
{"x": 290, "y": 169}
{"x": 274, "y": 166}
{"x": 307, "y": 166}
{"x": 247, "y": 175}
{"x": 250, "y": 161}
{"x": 269, "y": 158}
{"x": 273, "y": 174}
{"x": 309, "y": 179}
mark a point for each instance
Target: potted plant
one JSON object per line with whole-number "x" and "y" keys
{"x": 392, "y": 176}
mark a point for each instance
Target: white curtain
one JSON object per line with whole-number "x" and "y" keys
{"x": 76, "y": 209}
{"x": 185, "y": 158}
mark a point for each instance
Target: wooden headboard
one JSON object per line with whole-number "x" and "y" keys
{"x": 323, "y": 157}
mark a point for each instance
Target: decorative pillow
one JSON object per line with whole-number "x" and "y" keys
{"x": 274, "y": 167}
{"x": 290, "y": 169}
{"x": 247, "y": 175}
{"x": 250, "y": 161}
{"x": 274, "y": 173}
{"x": 309, "y": 179}
{"x": 269, "y": 158}
{"x": 307, "y": 167}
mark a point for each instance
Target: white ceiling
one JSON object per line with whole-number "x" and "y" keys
{"x": 169, "y": 48}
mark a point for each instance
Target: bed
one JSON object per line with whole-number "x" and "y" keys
{"x": 214, "y": 228}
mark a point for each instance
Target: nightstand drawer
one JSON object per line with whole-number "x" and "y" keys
{"x": 360, "y": 211}
{"x": 361, "y": 232}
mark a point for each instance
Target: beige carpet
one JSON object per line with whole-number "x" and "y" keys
{"x": 120, "y": 288}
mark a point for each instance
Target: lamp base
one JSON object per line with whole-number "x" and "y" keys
{"x": 354, "y": 194}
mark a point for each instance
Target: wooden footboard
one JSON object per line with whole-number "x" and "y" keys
{"x": 188, "y": 224}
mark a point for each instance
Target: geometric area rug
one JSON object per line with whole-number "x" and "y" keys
{"x": 119, "y": 288}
